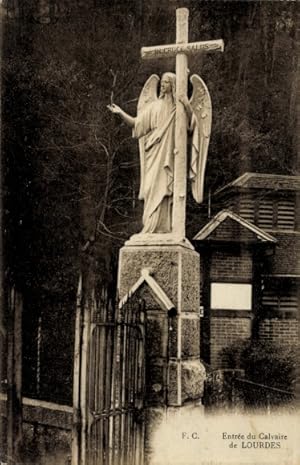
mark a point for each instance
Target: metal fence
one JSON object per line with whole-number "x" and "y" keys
{"x": 227, "y": 389}
{"x": 256, "y": 395}
{"x": 109, "y": 381}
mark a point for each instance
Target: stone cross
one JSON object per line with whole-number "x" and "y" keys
{"x": 181, "y": 50}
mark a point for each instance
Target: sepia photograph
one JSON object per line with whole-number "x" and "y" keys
{"x": 150, "y": 232}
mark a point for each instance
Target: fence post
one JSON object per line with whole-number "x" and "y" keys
{"x": 14, "y": 377}
{"x": 233, "y": 391}
{"x": 268, "y": 404}
{"x": 76, "y": 427}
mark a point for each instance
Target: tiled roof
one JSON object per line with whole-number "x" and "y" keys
{"x": 264, "y": 181}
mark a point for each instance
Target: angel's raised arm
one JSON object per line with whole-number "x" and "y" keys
{"x": 125, "y": 116}
{"x": 148, "y": 94}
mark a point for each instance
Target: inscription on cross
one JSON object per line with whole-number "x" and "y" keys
{"x": 181, "y": 50}
{"x": 191, "y": 48}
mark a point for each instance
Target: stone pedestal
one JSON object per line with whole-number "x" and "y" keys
{"x": 174, "y": 373}
{"x": 166, "y": 274}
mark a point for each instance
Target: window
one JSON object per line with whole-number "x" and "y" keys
{"x": 231, "y": 296}
{"x": 265, "y": 214}
{"x": 247, "y": 207}
{"x": 280, "y": 296}
{"x": 286, "y": 214}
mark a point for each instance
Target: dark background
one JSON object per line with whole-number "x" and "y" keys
{"x": 70, "y": 168}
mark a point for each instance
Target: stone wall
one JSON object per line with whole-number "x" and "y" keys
{"x": 47, "y": 432}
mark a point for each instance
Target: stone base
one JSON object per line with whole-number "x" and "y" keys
{"x": 174, "y": 372}
{"x": 167, "y": 239}
{"x": 186, "y": 381}
{"x": 175, "y": 268}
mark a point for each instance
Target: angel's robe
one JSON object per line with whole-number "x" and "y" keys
{"x": 156, "y": 123}
{"x": 155, "y": 127}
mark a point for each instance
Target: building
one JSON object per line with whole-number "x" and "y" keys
{"x": 250, "y": 264}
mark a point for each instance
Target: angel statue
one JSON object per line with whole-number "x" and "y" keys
{"x": 154, "y": 126}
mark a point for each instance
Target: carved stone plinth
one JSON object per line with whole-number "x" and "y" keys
{"x": 167, "y": 277}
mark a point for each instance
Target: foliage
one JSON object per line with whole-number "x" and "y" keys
{"x": 270, "y": 364}
{"x": 267, "y": 363}
{"x": 72, "y": 170}
{"x": 68, "y": 156}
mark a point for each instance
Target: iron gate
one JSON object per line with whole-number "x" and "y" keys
{"x": 109, "y": 381}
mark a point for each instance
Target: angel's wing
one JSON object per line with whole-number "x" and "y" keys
{"x": 147, "y": 96}
{"x": 202, "y": 115}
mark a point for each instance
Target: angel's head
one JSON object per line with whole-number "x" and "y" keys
{"x": 168, "y": 85}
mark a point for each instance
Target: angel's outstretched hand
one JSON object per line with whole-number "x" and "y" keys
{"x": 114, "y": 109}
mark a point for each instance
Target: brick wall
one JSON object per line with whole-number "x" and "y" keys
{"x": 223, "y": 333}
{"x": 286, "y": 259}
{"x": 231, "y": 266}
{"x": 279, "y": 331}
{"x": 232, "y": 231}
